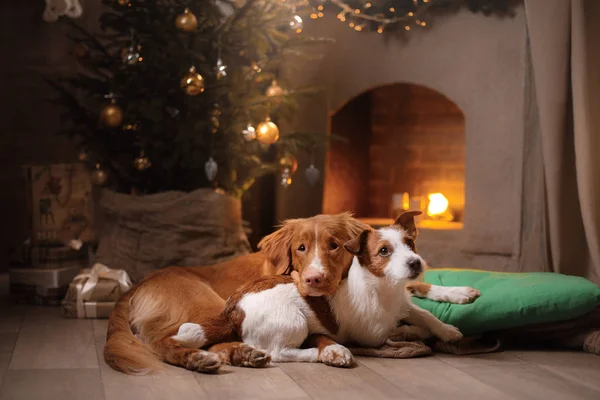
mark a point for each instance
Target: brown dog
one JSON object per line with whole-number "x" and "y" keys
{"x": 144, "y": 319}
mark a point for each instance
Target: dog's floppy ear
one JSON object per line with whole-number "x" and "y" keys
{"x": 406, "y": 220}
{"x": 277, "y": 247}
{"x": 357, "y": 245}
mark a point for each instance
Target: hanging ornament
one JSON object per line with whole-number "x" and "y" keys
{"x": 286, "y": 177}
{"x": 249, "y": 133}
{"x": 274, "y": 90}
{"x": 296, "y": 23}
{"x": 289, "y": 161}
{"x": 186, "y": 22}
{"x": 312, "y": 174}
{"x": 220, "y": 69}
{"x": 82, "y": 156}
{"x": 267, "y": 132}
{"x": 131, "y": 55}
{"x": 99, "y": 176}
{"x": 211, "y": 168}
{"x": 111, "y": 114}
{"x": 192, "y": 82}
{"x": 142, "y": 162}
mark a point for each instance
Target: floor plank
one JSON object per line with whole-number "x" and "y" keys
{"x": 48, "y": 341}
{"x": 576, "y": 366}
{"x": 269, "y": 383}
{"x": 477, "y": 360}
{"x": 526, "y": 381}
{"x": 52, "y": 384}
{"x": 323, "y": 382}
{"x": 429, "y": 378}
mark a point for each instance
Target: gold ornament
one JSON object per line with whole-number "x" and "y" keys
{"x": 192, "y": 82}
{"x": 274, "y": 90}
{"x": 267, "y": 132}
{"x": 111, "y": 115}
{"x": 289, "y": 161}
{"x": 142, "y": 162}
{"x": 186, "y": 22}
{"x": 99, "y": 176}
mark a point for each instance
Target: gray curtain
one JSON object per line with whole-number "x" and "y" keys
{"x": 564, "y": 37}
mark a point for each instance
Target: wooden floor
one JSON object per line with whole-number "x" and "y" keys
{"x": 43, "y": 356}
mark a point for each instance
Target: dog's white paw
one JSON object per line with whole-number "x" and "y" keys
{"x": 203, "y": 361}
{"x": 190, "y": 335}
{"x": 462, "y": 294}
{"x": 336, "y": 355}
{"x": 449, "y": 333}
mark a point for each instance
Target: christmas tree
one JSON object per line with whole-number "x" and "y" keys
{"x": 184, "y": 94}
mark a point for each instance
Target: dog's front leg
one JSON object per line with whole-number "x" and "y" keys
{"x": 423, "y": 318}
{"x": 446, "y": 294}
{"x": 330, "y": 352}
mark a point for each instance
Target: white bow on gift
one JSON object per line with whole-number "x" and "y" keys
{"x": 58, "y": 8}
{"x": 91, "y": 277}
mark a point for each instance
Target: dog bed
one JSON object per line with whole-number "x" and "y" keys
{"x": 510, "y": 300}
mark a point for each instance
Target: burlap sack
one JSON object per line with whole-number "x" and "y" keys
{"x": 141, "y": 234}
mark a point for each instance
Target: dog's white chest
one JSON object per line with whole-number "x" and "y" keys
{"x": 367, "y": 310}
{"x": 277, "y": 317}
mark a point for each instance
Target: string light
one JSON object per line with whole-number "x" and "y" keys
{"x": 366, "y": 20}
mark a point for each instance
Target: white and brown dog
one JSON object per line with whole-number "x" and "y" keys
{"x": 273, "y": 317}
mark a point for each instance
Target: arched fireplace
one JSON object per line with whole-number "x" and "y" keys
{"x": 403, "y": 144}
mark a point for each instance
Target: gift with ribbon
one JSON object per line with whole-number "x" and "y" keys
{"x": 94, "y": 292}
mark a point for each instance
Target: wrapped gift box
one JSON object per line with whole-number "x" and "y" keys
{"x": 60, "y": 199}
{"x": 49, "y": 257}
{"x": 42, "y": 286}
{"x": 94, "y": 292}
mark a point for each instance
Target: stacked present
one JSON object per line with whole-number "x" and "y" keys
{"x": 40, "y": 274}
{"x": 94, "y": 292}
{"x": 61, "y": 223}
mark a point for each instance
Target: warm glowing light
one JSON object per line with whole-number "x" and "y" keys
{"x": 367, "y": 5}
{"x": 438, "y": 204}
{"x": 392, "y": 9}
{"x": 320, "y": 15}
{"x": 314, "y": 16}
{"x": 351, "y": 24}
{"x": 320, "y": 8}
{"x": 410, "y": 14}
{"x": 407, "y": 28}
{"x": 357, "y": 11}
{"x": 423, "y": 23}
{"x": 380, "y": 29}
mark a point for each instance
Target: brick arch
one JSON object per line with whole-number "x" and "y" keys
{"x": 402, "y": 137}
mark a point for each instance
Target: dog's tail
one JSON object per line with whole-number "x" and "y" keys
{"x": 123, "y": 351}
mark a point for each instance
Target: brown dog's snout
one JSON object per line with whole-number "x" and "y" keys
{"x": 314, "y": 279}
{"x": 415, "y": 266}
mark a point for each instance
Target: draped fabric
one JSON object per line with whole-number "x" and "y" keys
{"x": 564, "y": 49}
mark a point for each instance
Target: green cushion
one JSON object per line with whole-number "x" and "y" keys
{"x": 511, "y": 299}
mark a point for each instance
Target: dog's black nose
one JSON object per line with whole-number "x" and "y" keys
{"x": 415, "y": 266}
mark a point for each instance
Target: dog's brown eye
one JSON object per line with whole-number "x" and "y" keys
{"x": 333, "y": 246}
{"x": 384, "y": 252}
{"x": 302, "y": 248}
